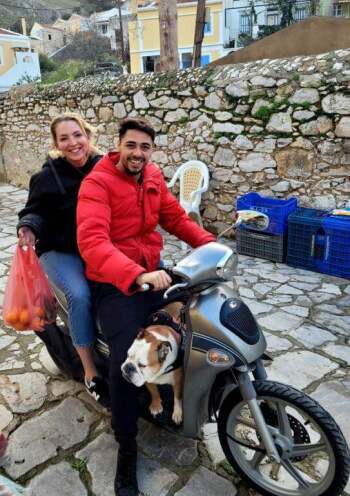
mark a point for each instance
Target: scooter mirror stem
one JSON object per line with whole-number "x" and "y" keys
{"x": 228, "y": 229}
{"x": 172, "y": 288}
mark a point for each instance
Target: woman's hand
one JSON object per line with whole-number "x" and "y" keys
{"x": 26, "y": 236}
{"x": 159, "y": 279}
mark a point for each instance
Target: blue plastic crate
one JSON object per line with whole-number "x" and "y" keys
{"x": 277, "y": 210}
{"x": 319, "y": 241}
{"x": 337, "y": 249}
{"x": 305, "y": 238}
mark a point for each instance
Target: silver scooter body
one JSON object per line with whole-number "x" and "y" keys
{"x": 205, "y": 331}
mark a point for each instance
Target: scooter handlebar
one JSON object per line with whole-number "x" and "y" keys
{"x": 146, "y": 287}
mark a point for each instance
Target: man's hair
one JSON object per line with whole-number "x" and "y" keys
{"x": 138, "y": 124}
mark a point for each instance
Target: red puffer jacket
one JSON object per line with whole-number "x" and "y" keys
{"x": 117, "y": 218}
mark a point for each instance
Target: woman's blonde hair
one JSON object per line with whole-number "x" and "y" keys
{"x": 85, "y": 127}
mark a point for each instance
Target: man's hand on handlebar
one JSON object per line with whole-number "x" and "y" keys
{"x": 158, "y": 279}
{"x": 26, "y": 236}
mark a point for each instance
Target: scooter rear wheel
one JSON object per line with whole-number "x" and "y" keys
{"x": 314, "y": 455}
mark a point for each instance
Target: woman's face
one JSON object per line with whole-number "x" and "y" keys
{"x": 72, "y": 142}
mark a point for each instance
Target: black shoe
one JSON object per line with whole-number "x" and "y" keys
{"x": 125, "y": 483}
{"x": 98, "y": 389}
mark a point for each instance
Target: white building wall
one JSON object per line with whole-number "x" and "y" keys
{"x": 27, "y": 65}
{"x": 238, "y": 16}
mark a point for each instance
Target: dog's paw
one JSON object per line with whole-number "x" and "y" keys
{"x": 156, "y": 408}
{"x": 177, "y": 415}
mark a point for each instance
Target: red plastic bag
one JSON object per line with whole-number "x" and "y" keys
{"x": 29, "y": 302}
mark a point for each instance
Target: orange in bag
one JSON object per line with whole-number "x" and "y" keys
{"x": 29, "y": 302}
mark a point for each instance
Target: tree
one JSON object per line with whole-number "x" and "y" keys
{"x": 314, "y": 7}
{"x": 169, "y": 58}
{"x": 87, "y": 7}
{"x": 46, "y": 64}
{"x": 265, "y": 30}
{"x": 199, "y": 33}
{"x": 286, "y": 7}
{"x": 7, "y": 20}
{"x": 88, "y": 46}
{"x": 122, "y": 44}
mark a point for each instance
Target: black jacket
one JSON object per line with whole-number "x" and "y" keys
{"x": 50, "y": 211}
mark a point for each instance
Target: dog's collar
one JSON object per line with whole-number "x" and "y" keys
{"x": 162, "y": 317}
{"x": 176, "y": 334}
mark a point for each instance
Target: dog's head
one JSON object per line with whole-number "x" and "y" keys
{"x": 153, "y": 350}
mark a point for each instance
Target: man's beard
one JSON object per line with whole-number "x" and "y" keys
{"x": 131, "y": 172}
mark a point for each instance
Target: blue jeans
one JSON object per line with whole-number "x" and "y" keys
{"x": 66, "y": 271}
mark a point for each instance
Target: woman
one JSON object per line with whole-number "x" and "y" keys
{"x": 49, "y": 221}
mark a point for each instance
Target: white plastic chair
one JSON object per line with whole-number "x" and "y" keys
{"x": 194, "y": 180}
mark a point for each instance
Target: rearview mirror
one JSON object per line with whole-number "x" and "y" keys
{"x": 252, "y": 219}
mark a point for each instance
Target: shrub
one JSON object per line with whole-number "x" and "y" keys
{"x": 263, "y": 113}
{"x": 71, "y": 70}
{"x": 46, "y": 64}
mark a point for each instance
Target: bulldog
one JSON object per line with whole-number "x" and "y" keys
{"x": 152, "y": 359}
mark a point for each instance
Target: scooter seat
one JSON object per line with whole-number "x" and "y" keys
{"x": 60, "y": 297}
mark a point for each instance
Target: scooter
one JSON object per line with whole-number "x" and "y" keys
{"x": 281, "y": 441}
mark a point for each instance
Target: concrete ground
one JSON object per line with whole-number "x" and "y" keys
{"x": 60, "y": 442}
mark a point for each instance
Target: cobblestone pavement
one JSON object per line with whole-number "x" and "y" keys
{"x": 60, "y": 442}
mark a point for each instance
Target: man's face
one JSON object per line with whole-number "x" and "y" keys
{"x": 135, "y": 150}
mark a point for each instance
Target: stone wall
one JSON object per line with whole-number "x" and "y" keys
{"x": 278, "y": 127}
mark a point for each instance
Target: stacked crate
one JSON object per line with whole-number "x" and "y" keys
{"x": 271, "y": 243}
{"x": 319, "y": 241}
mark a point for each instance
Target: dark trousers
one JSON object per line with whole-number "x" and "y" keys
{"x": 120, "y": 318}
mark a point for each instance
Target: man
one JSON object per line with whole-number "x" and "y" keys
{"x": 120, "y": 204}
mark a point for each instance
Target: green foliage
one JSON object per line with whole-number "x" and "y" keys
{"x": 232, "y": 99}
{"x": 26, "y": 79}
{"x": 166, "y": 79}
{"x": 183, "y": 120}
{"x": 306, "y": 105}
{"x": 265, "y": 30}
{"x": 209, "y": 74}
{"x": 80, "y": 465}
{"x": 286, "y": 8}
{"x": 225, "y": 464}
{"x": 218, "y": 135}
{"x": 69, "y": 70}
{"x": 244, "y": 39}
{"x": 88, "y": 7}
{"x": 296, "y": 77}
{"x": 264, "y": 112}
{"x": 11, "y": 13}
{"x": 88, "y": 46}
{"x": 46, "y": 64}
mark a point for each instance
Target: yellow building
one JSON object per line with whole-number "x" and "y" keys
{"x": 144, "y": 35}
{"x": 77, "y": 23}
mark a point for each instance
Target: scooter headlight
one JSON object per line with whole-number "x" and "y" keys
{"x": 226, "y": 268}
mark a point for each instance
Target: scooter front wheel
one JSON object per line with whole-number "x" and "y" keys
{"x": 314, "y": 455}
